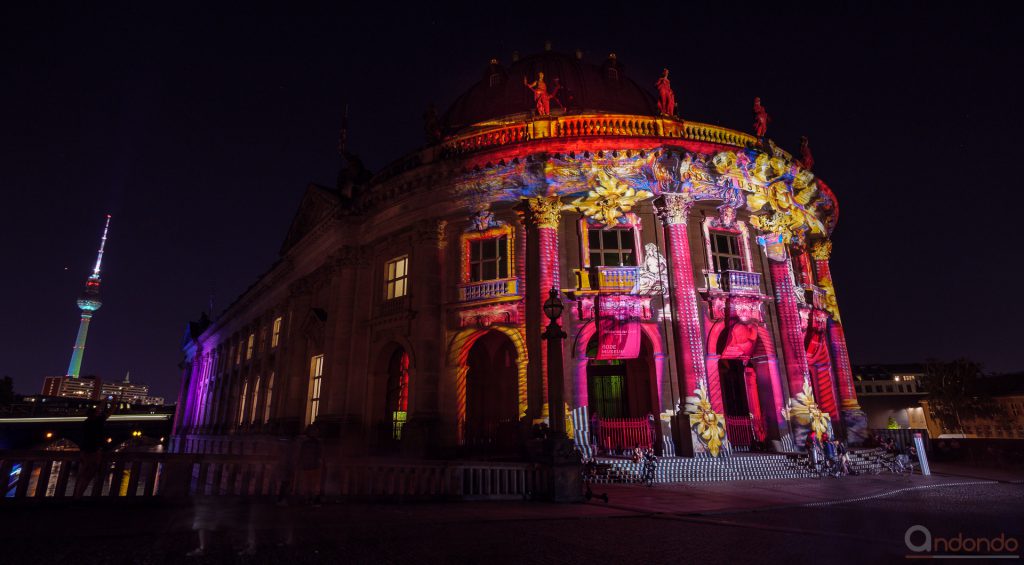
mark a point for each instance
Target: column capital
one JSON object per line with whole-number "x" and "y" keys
{"x": 434, "y": 231}
{"x": 542, "y": 211}
{"x": 673, "y": 208}
{"x": 821, "y": 250}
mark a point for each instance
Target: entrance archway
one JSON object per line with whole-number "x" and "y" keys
{"x": 742, "y": 376}
{"x": 492, "y": 392}
{"x": 621, "y": 388}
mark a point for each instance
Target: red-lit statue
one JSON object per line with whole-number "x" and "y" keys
{"x": 761, "y": 118}
{"x": 541, "y": 96}
{"x": 806, "y": 159}
{"x": 666, "y": 98}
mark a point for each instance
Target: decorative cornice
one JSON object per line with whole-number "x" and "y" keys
{"x": 673, "y": 208}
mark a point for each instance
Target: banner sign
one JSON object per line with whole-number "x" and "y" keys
{"x": 618, "y": 327}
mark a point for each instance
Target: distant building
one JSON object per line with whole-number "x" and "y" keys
{"x": 1004, "y": 421}
{"x": 891, "y": 391}
{"x": 87, "y": 387}
{"x": 93, "y": 388}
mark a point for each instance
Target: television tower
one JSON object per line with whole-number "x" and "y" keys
{"x": 88, "y": 302}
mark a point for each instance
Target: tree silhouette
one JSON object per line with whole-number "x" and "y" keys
{"x": 955, "y": 392}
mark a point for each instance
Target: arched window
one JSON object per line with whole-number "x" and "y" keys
{"x": 398, "y": 391}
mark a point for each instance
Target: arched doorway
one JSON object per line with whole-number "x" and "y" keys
{"x": 621, "y": 388}
{"x": 492, "y": 392}
{"x": 740, "y": 382}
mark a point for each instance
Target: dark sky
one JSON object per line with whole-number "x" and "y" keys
{"x": 199, "y": 127}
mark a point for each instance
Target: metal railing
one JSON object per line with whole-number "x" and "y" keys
{"x": 485, "y": 290}
{"x": 616, "y": 434}
{"x": 54, "y": 475}
{"x": 739, "y": 430}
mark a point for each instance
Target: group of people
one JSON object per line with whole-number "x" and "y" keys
{"x": 827, "y": 453}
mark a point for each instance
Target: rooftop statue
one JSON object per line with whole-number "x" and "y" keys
{"x": 666, "y": 98}
{"x": 806, "y": 158}
{"x": 541, "y": 96}
{"x": 761, "y": 118}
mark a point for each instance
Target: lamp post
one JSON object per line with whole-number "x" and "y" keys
{"x": 554, "y": 335}
{"x": 566, "y": 483}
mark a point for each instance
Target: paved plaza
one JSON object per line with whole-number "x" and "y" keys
{"x": 855, "y": 519}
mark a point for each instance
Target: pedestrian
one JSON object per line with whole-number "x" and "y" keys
{"x": 90, "y": 450}
{"x": 595, "y": 431}
{"x": 655, "y": 427}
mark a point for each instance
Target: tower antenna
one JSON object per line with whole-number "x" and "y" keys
{"x": 88, "y": 302}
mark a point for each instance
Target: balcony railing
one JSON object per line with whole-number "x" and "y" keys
{"x": 815, "y": 296}
{"x": 607, "y": 279}
{"x": 742, "y": 282}
{"x": 486, "y": 290}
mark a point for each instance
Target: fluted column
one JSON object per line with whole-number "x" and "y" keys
{"x": 854, "y": 418}
{"x": 689, "y": 347}
{"x": 541, "y": 216}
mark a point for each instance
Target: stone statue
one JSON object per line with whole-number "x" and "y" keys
{"x": 806, "y": 159}
{"x": 652, "y": 277}
{"x": 761, "y": 118}
{"x": 431, "y": 124}
{"x": 666, "y": 98}
{"x": 541, "y": 96}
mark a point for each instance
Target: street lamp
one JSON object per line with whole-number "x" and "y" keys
{"x": 556, "y": 407}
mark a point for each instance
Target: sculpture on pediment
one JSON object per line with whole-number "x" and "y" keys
{"x": 806, "y": 158}
{"x": 541, "y": 96}
{"x": 761, "y": 118}
{"x": 666, "y": 98}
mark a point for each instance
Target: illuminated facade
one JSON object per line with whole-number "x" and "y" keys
{"x": 405, "y": 310}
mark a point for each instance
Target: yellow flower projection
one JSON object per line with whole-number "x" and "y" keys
{"x": 705, "y": 422}
{"x": 609, "y": 199}
{"x": 806, "y": 411}
{"x": 788, "y": 217}
{"x": 724, "y": 162}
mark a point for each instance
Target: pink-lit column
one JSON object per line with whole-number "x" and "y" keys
{"x": 854, "y": 419}
{"x": 689, "y": 347}
{"x": 790, "y": 327}
{"x": 542, "y": 216}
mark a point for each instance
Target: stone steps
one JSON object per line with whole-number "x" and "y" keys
{"x": 734, "y": 468}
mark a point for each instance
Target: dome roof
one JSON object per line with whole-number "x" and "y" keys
{"x": 585, "y": 87}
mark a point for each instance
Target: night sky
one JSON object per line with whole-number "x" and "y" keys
{"x": 198, "y": 128}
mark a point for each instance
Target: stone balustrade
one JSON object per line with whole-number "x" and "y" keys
{"x": 486, "y": 290}
{"x": 742, "y": 282}
{"x": 607, "y": 279}
{"x": 595, "y": 125}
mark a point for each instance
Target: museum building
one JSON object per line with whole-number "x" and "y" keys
{"x": 406, "y": 312}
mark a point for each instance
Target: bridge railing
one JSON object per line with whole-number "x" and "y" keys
{"x": 55, "y": 474}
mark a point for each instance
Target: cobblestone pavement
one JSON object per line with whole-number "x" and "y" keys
{"x": 857, "y": 519}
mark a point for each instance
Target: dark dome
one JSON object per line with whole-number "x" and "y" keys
{"x": 585, "y": 88}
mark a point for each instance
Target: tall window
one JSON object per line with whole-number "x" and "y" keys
{"x": 275, "y": 336}
{"x": 488, "y": 259}
{"x": 255, "y": 400}
{"x": 241, "y": 402}
{"x": 726, "y": 254}
{"x": 398, "y": 391}
{"x": 270, "y": 396}
{"x": 611, "y": 248}
{"x": 396, "y": 278}
{"x": 316, "y": 374}
{"x": 249, "y": 346}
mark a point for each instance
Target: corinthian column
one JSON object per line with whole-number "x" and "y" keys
{"x": 854, "y": 419}
{"x": 793, "y": 352}
{"x": 689, "y": 347}
{"x": 541, "y": 215}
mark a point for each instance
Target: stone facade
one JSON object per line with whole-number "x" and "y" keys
{"x": 404, "y": 315}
